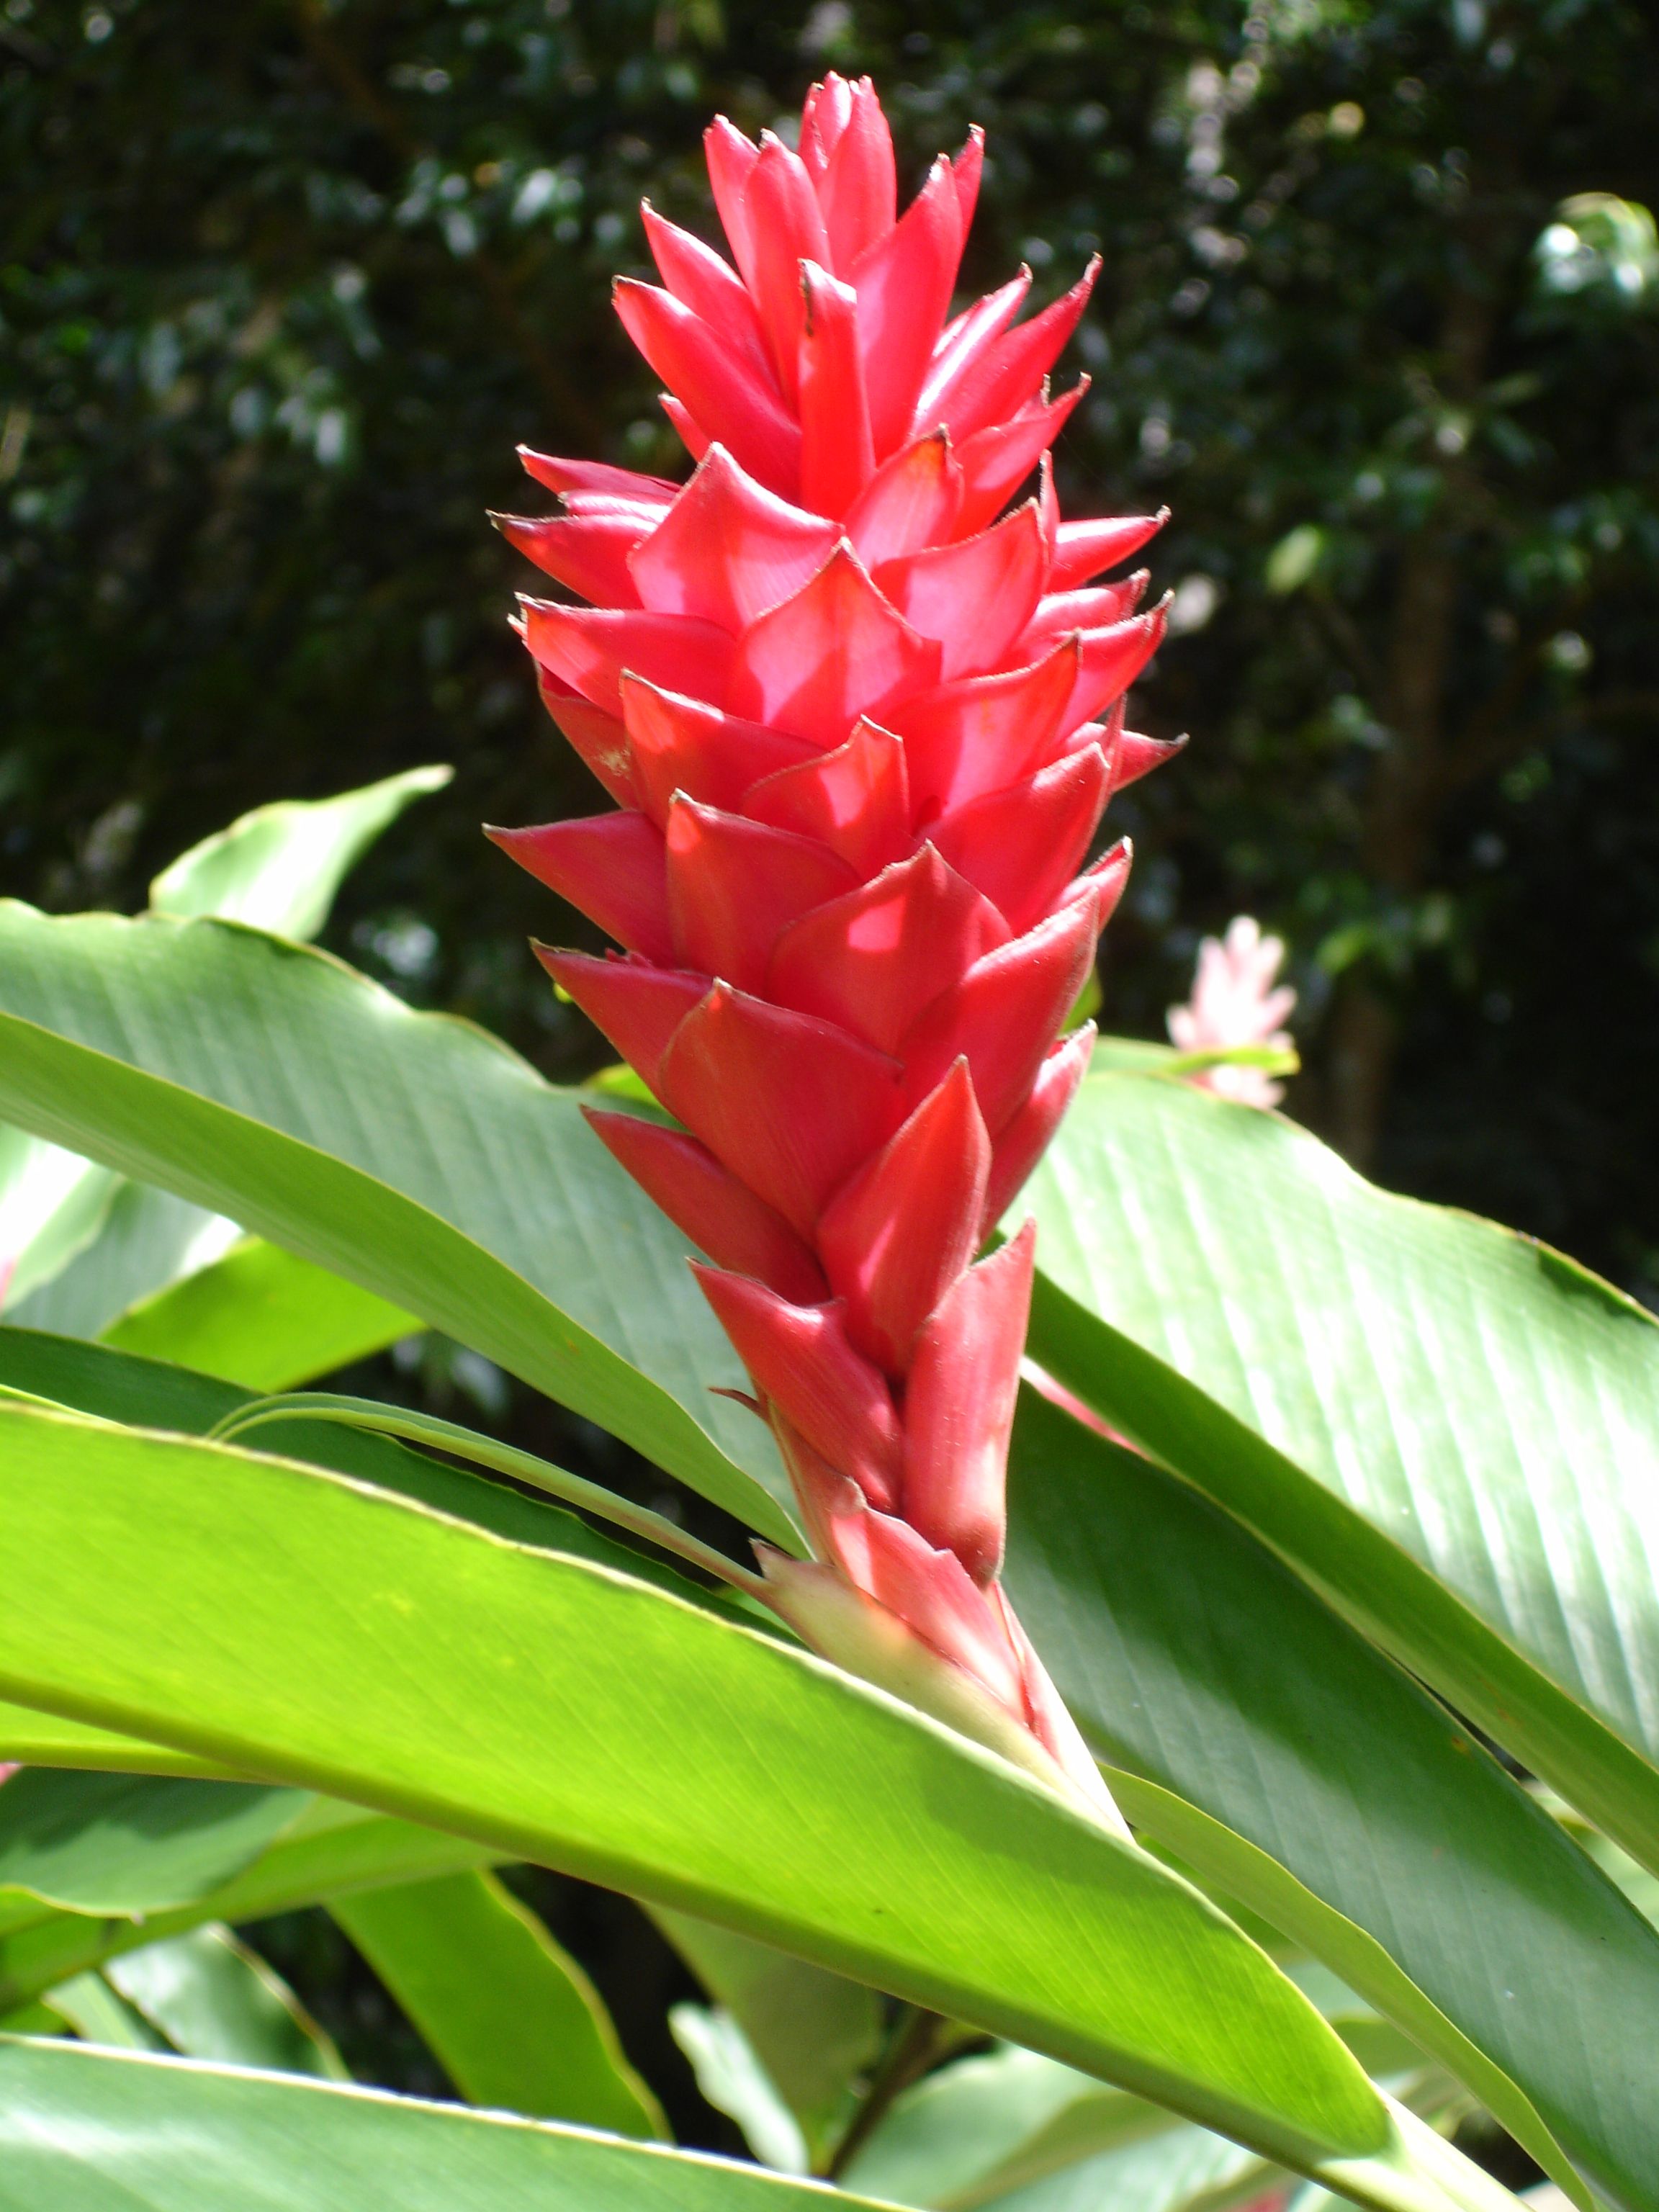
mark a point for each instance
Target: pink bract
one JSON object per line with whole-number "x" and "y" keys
{"x": 1237, "y": 1000}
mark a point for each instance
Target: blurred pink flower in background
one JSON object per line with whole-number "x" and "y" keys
{"x": 1234, "y": 1001}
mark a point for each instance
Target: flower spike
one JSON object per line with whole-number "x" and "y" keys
{"x": 862, "y": 713}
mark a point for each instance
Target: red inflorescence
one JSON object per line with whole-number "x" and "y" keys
{"x": 861, "y": 726}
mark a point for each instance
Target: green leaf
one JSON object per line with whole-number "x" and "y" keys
{"x": 418, "y": 1158}
{"x": 1223, "y": 1679}
{"x": 113, "y": 1385}
{"x": 126, "y": 1843}
{"x": 149, "y": 1239}
{"x": 987, "y": 2127}
{"x": 211, "y": 1997}
{"x": 32, "y": 1739}
{"x": 813, "y": 2034}
{"x": 262, "y": 1317}
{"x": 88, "y": 2131}
{"x": 293, "y": 1624}
{"x": 99, "y": 2015}
{"x": 52, "y": 1204}
{"x": 279, "y": 867}
{"x": 512, "y": 2019}
{"x": 151, "y": 1394}
{"x": 1462, "y": 1428}
{"x": 330, "y": 1850}
{"x": 373, "y": 1417}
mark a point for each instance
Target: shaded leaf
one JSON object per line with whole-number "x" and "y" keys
{"x": 731, "y": 2077}
{"x": 330, "y": 1850}
{"x": 510, "y": 2016}
{"x": 813, "y": 2034}
{"x": 211, "y": 1997}
{"x": 128, "y": 1843}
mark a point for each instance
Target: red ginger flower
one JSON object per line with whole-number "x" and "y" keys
{"x": 862, "y": 733}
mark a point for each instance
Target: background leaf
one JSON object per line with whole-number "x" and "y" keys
{"x": 129, "y": 1844}
{"x": 148, "y": 1239}
{"x": 330, "y": 1850}
{"x": 52, "y": 1204}
{"x": 811, "y": 2034}
{"x": 279, "y": 867}
{"x": 511, "y": 2017}
{"x": 731, "y": 2077}
{"x": 212, "y": 1998}
{"x": 262, "y": 1317}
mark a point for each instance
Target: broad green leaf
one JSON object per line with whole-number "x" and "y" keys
{"x": 1221, "y": 1677}
{"x": 1461, "y": 1427}
{"x": 407, "y": 1151}
{"x": 512, "y": 2019}
{"x": 91, "y": 2131}
{"x": 375, "y": 1417}
{"x": 730, "y": 2077}
{"x": 813, "y": 2034}
{"x": 149, "y": 1239}
{"x": 211, "y": 1997}
{"x": 52, "y": 1204}
{"x": 331, "y": 1850}
{"x": 279, "y": 867}
{"x": 132, "y": 1843}
{"x": 296, "y": 1625}
{"x": 262, "y": 1317}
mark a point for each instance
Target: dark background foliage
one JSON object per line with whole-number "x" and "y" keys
{"x": 285, "y": 281}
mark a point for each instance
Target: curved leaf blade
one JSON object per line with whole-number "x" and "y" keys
{"x": 279, "y": 867}
{"x": 331, "y": 1850}
{"x": 81, "y": 2130}
{"x": 1456, "y": 1430}
{"x": 512, "y": 2019}
{"x": 285, "y": 1620}
{"x": 211, "y": 1997}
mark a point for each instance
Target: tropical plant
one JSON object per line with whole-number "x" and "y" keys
{"x": 1327, "y": 1822}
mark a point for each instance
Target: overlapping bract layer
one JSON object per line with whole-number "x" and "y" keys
{"x": 861, "y": 732}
